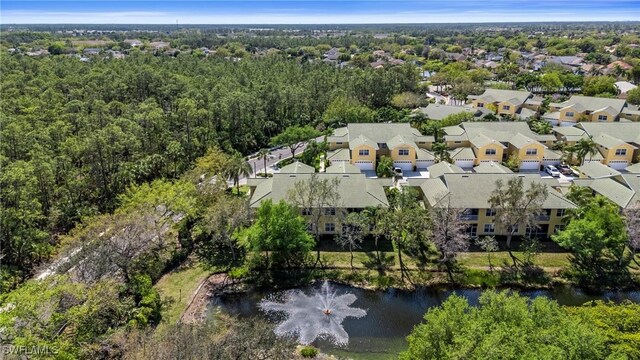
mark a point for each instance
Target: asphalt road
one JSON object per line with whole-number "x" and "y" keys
{"x": 257, "y": 164}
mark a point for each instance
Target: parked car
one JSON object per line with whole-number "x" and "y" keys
{"x": 565, "y": 169}
{"x": 398, "y": 172}
{"x": 552, "y": 170}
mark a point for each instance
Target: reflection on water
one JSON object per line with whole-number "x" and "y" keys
{"x": 392, "y": 314}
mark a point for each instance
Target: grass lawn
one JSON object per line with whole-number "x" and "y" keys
{"x": 544, "y": 260}
{"x": 469, "y": 259}
{"x": 177, "y": 287}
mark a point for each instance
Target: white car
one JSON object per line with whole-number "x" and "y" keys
{"x": 552, "y": 170}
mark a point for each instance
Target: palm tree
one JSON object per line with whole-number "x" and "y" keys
{"x": 264, "y": 154}
{"x": 236, "y": 168}
{"x": 585, "y": 147}
{"x": 541, "y": 127}
{"x": 568, "y": 154}
{"x": 440, "y": 151}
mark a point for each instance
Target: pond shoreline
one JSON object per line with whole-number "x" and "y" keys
{"x": 218, "y": 284}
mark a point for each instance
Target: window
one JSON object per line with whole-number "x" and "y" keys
{"x": 339, "y": 142}
{"x": 457, "y": 142}
{"x": 330, "y": 211}
{"x": 329, "y": 227}
{"x": 489, "y": 228}
{"x": 363, "y": 152}
{"x": 621, "y": 152}
{"x": 309, "y": 227}
{"x": 306, "y": 211}
{"x": 480, "y": 105}
{"x": 382, "y": 145}
{"x": 506, "y": 107}
{"x": 490, "y": 152}
{"x": 403, "y": 152}
{"x": 602, "y": 117}
{"x": 472, "y": 230}
{"x": 568, "y": 114}
{"x": 560, "y": 212}
{"x": 558, "y": 228}
{"x": 532, "y": 151}
{"x": 490, "y": 212}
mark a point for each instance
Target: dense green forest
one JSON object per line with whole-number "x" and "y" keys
{"x": 75, "y": 134}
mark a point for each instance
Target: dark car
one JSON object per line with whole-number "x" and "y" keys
{"x": 565, "y": 169}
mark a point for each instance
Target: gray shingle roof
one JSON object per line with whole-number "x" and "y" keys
{"x": 339, "y": 155}
{"x": 400, "y": 140}
{"x": 439, "y": 111}
{"x": 633, "y": 169}
{"x": 607, "y": 141}
{"x": 355, "y": 190}
{"x": 502, "y": 131}
{"x": 381, "y": 132}
{"x": 492, "y": 167}
{"x": 472, "y": 191}
{"x": 481, "y": 140}
{"x": 570, "y": 133}
{"x": 623, "y": 190}
{"x": 362, "y": 140}
{"x": 627, "y": 132}
{"x": 520, "y": 141}
{"x": 514, "y": 96}
{"x": 591, "y": 103}
{"x": 297, "y": 168}
{"x": 342, "y": 167}
{"x": 443, "y": 167}
{"x": 596, "y": 170}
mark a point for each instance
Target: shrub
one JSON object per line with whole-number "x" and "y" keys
{"x": 308, "y": 352}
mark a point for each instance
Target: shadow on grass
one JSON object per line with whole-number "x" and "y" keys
{"x": 379, "y": 261}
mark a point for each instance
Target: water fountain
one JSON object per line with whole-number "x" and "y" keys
{"x": 312, "y": 316}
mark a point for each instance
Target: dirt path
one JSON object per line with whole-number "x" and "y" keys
{"x": 195, "y": 311}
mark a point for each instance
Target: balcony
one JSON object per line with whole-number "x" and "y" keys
{"x": 467, "y": 217}
{"x": 543, "y": 217}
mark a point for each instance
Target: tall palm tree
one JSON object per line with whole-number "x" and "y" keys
{"x": 569, "y": 154}
{"x": 236, "y": 168}
{"x": 585, "y": 147}
{"x": 264, "y": 154}
{"x": 440, "y": 151}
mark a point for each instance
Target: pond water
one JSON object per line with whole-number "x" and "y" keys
{"x": 392, "y": 314}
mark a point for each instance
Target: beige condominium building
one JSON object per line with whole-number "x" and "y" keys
{"x": 356, "y": 192}
{"x": 514, "y": 103}
{"x": 617, "y": 143}
{"x": 470, "y": 192}
{"x": 586, "y": 109}
{"x": 497, "y": 141}
{"x": 363, "y": 145}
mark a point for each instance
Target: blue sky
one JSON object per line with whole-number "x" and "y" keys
{"x": 314, "y": 12}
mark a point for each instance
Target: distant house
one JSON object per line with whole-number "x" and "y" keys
{"x": 333, "y": 54}
{"x": 624, "y": 87}
{"x": 91, "y": 51}
{"x": 377, "y": 64}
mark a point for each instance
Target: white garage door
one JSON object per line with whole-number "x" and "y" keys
{"x": 465, "y": 164}
{"x": 404, "y": 165}
{"x": 618, "y": 165}
{"x": 365, "y": 165}
{"x": 530, "y": 165}
{"x": 551, "y": 162}
{"x": 423, "y": 164}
